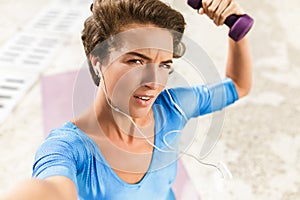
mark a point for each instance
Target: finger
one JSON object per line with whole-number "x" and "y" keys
{"x": 220, "y": 10}
{"x": 215, "y": 21}
{"x": 206, "y": 3}
{"x": 201, "y": 11}
{"x": 232, "y": 8}
{"x": 212, "y": 9}
{"x": 214, "y": 6}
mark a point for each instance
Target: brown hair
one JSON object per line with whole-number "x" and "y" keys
{"x": 110, "y": 16}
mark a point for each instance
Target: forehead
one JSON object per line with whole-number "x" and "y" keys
{"x": 150, "y": 37}
{"x": 151, "y": 52}
{"x": 143, "y": 39}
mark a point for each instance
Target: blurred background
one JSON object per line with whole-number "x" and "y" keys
{"x": 260, "y": 140}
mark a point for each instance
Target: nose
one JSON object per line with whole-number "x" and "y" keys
{"x": 151, "y": 76}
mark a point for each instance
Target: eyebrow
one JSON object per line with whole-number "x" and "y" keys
{"x": 145, "y": 57}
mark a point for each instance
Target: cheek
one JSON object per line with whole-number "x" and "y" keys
{"x": 123, "y": 81}
{"x": 160, "y": 89}
{"x": 113, "y": 76}
{"x": 164, "y": 78}
{"x": 121, "y": 87}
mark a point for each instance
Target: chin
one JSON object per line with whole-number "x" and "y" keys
{"x": 140, "y": 112}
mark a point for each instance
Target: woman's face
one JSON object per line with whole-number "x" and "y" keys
{"x": 138, "y": 71}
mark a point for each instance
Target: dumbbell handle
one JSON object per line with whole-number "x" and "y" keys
{"x": 239, "y": 24}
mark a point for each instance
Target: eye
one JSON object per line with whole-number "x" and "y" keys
{"x": 166, "y": 66}
{"x": 135, "y": 61}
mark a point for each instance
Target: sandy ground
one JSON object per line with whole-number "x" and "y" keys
{"x": 260, "y": 140}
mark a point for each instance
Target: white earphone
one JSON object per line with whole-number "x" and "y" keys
{"x": 98, "y": 70}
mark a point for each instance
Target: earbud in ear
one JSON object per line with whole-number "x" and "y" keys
{"x": 98, "y": 70}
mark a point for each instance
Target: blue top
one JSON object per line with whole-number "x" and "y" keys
{"x": 69, "y": 152}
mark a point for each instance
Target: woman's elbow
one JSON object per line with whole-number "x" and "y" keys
{"x": 243, "y": 90}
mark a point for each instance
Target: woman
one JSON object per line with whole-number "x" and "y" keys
{"x": 117, "y": 148}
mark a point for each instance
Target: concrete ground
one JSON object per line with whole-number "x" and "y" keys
{"x": 260, "y": 140}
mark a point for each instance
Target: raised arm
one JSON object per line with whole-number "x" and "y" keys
{"x": 54, "y": 188}
{"x": 239, "y": 65}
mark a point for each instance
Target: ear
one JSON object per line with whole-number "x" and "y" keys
{"x": 95, "y": 63}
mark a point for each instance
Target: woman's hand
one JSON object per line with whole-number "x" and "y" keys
{"x": 219, "y": 10}
{"x": 57, "y": 187}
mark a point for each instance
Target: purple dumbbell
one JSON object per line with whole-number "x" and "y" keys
{"x": 239, "y": 24}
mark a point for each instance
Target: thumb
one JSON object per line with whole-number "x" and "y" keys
{"x": 201, "y": 11}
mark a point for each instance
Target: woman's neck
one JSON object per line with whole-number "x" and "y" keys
{"x": 117, "y": 124}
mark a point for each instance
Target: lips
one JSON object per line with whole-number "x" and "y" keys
{"x": 143, "y": 100}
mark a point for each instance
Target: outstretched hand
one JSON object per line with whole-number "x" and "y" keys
{"x": 219, "y": 10}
